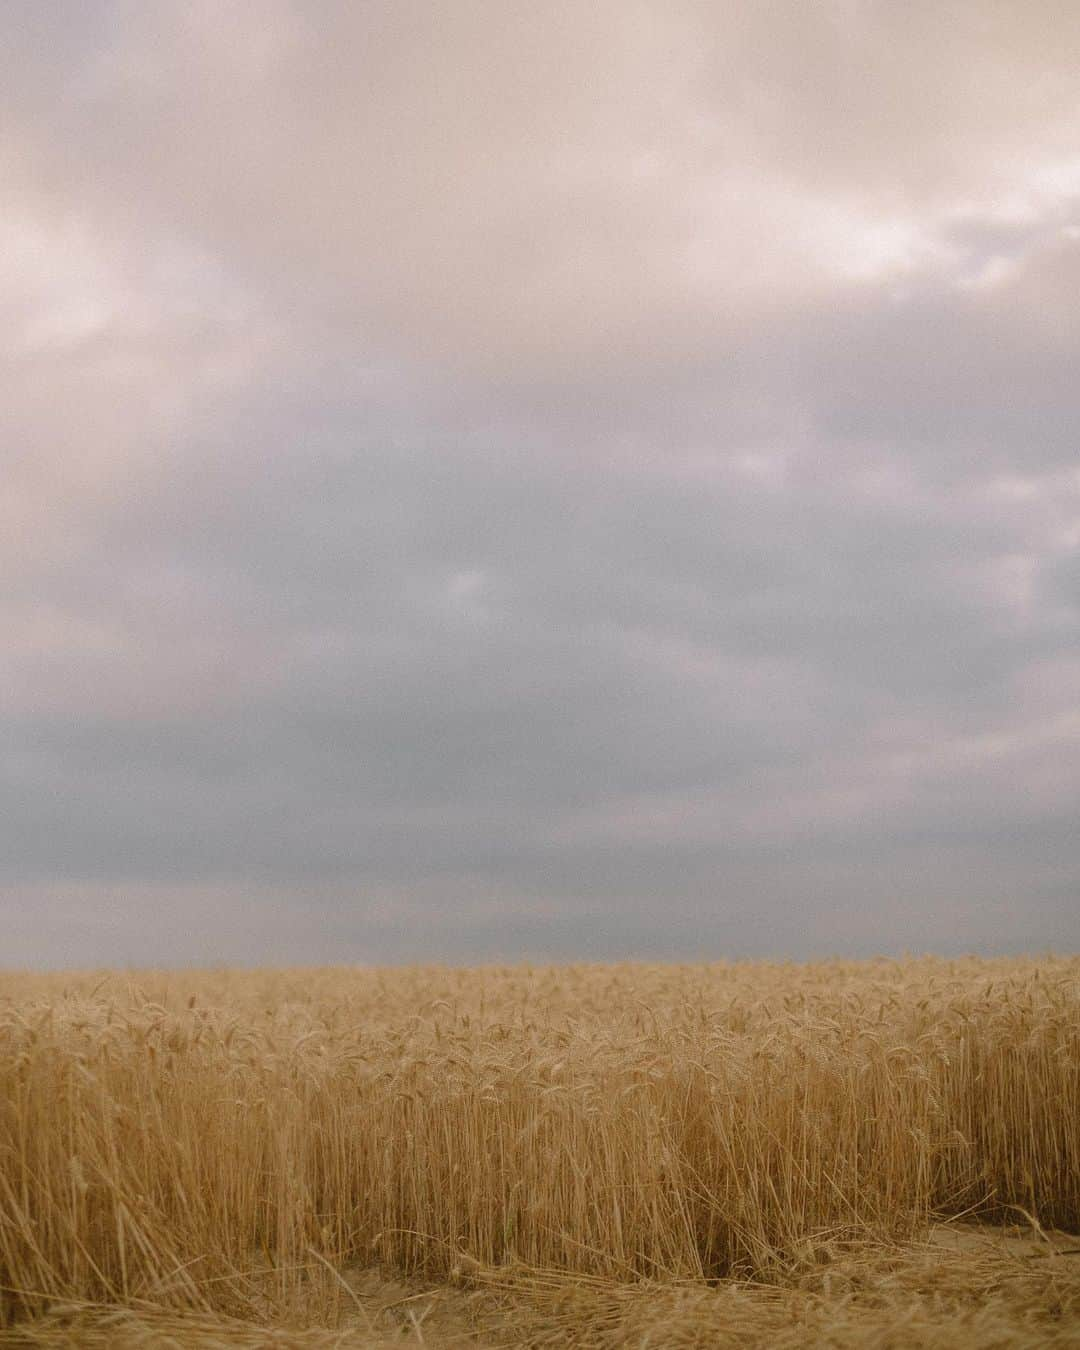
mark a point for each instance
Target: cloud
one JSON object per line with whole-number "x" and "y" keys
{"x": 522, "y": 481}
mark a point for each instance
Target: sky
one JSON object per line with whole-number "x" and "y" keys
{"x": 511, "y": 481}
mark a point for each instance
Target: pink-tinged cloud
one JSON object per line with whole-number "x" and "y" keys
{"x": 489, "y": 480}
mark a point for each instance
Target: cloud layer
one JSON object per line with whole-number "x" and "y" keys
{"x": 494, "y": 481}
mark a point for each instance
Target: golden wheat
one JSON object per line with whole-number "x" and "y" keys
{"x": 221, "y": 1144}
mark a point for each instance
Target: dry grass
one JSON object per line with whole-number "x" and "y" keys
{"x": 593, "y": 1156}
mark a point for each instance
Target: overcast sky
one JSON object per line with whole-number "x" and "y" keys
{"x": 492, "y": 479}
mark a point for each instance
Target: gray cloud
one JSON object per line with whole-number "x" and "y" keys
{"x": 517, "y": 482}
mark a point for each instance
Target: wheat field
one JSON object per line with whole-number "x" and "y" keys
{"x": 845, "y": 1154}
